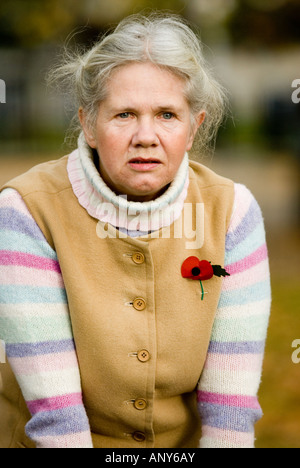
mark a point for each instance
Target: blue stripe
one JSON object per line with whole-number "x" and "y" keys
{"x": 256, "y": 239}
{"x": 36, "y": 329}
{"x": 16, "y": 294}
{"x": 248, "y": 224}
{"x": 65, "y": 421}
{"x": 13, "y": 241}
{"x": 13, "y": 220}
{"x": 230, "y": 418}
{"x": 240, "y": 347}
{"x": 254, "y": 293}
{"x": 241, "y": 329}
{"x": 21, "y": 350}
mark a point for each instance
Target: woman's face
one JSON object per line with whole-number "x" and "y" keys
{"x": 143, "y": 130}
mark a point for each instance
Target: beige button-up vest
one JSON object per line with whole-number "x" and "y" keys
{"x": 141, "y": 329}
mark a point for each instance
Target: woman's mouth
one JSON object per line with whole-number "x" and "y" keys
{"x": 143, "y": 164}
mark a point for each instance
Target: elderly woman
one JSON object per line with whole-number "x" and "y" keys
{"x": 134, "y": 283}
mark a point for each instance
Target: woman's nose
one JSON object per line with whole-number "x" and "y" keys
{"x": 145, "y": 134}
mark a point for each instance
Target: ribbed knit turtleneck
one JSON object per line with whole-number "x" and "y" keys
{"x": 103, "y": 204}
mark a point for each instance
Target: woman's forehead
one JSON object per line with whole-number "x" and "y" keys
{"x": 137, "y": 82}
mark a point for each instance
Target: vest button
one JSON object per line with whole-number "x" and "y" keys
{"x": 140, "y": 404}
{"x": 138, "y": 258}
{"x": 139, "y": 436}
{"x": 139, "y": 304}
{"x": 143, "y": 355}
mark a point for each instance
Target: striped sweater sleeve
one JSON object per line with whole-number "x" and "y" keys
{"x": 35, "y": 327}
{"x": 227, "y": 391}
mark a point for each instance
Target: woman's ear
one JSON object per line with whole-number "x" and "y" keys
{"x": 197, "y": 123}
{"x": 200, "y": 119}
{"x": 90, "y": 139}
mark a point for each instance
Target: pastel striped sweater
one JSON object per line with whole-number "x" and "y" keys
{"x": 35, "y": 326}
{"x": 227, "y": 393}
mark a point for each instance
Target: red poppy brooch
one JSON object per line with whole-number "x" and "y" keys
{"x": 202, "y": 270}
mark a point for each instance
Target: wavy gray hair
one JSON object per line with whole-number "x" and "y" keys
{"x": 163, "y": 39}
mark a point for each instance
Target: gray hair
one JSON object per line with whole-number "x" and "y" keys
{"x": 163, "y": 39}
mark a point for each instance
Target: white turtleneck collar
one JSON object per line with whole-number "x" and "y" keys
{"x": 106, "y": 206}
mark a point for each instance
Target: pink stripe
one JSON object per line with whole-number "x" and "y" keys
{"x": 245, "y": 198}
{"x": 254, "y": 275}
{"x": 44, "y": 363}
{"x": 54, "y": 403}
{"x": 248, "y": 262}
{"x": 237, "y": 438}
{"x": 78, "y": 440}
{"x": 241, "y": 401}
{"x": 233, "y": 362}
{"x": 30, "y": 277}
{"x": 8, "y": 257}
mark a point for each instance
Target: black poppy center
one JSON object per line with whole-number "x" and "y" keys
{"x": 196, "y": 271}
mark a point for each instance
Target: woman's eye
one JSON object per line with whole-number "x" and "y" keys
{"x": 168, "y": 115}
{"x": 124, "y": 115}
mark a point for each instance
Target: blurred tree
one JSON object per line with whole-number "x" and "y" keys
{"x": 98, "y": 15}
{"x": 103, "y": 12}
{"x": 26, "y": 23}
{"x": 267, "y": 23}
{"x": 30, "y": 22}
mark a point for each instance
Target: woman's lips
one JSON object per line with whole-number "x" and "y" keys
{"x": 140, "y": 164}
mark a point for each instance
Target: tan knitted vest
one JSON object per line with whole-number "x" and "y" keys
{"x": 141, "y": 330}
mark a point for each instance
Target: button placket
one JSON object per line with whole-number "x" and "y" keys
{"x": 138, "y": 303}
{"x": 138, "y": 264}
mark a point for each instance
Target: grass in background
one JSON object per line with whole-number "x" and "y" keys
{"x": 280, "y": 388}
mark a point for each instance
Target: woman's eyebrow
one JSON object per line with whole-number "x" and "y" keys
{"x": 132, "y": 108}
{"x": 171, "y": 108}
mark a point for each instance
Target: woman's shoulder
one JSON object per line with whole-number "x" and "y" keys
{"x": 50, "y": 176}
{"x": 206, "y": 177}
{"x": 246, "y": 230}
{"x": 10, "y": 199}
{"x": 246, "y": 208}
{"x": 245, "y": 204}
{"x": 18, "y": 229}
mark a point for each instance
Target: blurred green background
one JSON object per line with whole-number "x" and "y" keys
{"x": 254, "y": 47}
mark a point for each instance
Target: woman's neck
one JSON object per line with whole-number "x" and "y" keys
{"x": 105, "y": 205}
